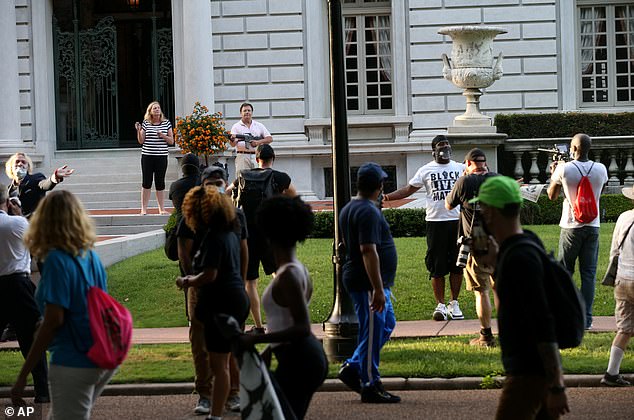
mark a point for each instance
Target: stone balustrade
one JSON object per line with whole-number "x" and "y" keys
{"x": 520, "y": 158}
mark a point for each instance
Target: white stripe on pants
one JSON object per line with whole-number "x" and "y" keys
{"x": 74, "y": 390}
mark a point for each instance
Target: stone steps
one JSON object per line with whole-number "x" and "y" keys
{"x": 128, "y": 224}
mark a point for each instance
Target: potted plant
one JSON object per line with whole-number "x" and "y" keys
{"x": 201, "y": 133}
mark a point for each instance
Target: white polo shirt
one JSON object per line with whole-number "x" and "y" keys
{"x": 14, "y": 256}
{"x": 256, "y": 130}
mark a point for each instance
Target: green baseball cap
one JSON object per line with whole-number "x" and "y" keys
{"x": 498, "y": 191}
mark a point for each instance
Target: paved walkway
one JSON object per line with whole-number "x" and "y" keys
{"x": 404, "y": 329}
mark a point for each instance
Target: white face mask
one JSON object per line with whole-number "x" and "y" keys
{"x": 20, "y": 172}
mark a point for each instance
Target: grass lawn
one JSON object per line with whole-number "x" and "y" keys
{"x": 421, "y": 358}
{"x": 145, "y": 283}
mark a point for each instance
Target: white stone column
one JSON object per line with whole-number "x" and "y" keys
{"x": 193, "y": 55}
{"x": 10, "y": 134}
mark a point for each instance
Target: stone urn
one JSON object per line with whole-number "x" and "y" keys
{"x": 472, "y": 67}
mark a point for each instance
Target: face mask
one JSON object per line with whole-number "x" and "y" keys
{"x": 572, "y": 155}
{"x": 443, "y": 153}
{"x": 20, "y": 172}
{"x": 221, "y": 190}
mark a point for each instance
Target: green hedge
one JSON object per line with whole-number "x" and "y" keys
{"x": 527, "y": 126}
{"x": 411, "y": 222}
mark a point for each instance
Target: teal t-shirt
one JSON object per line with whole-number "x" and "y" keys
{"x": 63, "y": 284}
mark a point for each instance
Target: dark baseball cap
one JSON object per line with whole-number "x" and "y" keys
{"x": 372, "y": 173}
{"x": 216, "y": 170}
{"x": 264, "y": 152}
{"x": 474, "y": 153}
{"x": 190, "y": 159}
{"x": 439, "y": 138}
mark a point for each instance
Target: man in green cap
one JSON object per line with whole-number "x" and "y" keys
{"x": 534, "y": 385}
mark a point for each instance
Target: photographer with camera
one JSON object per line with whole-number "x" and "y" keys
{"x": 246, "y": 135}
{"x": 474, "y": 241}
{"x": 579, "y": 237}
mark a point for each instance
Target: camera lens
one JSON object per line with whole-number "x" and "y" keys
{"x": 463, "y": 255}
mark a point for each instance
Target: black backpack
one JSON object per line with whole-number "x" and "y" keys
{"x": 564, "y": 299}
{"x": 253, "y": 187}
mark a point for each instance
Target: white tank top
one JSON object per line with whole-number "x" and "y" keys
{"x": 278, "y": 317}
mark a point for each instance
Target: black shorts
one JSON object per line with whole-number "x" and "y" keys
{"x": 153, "y": 167}
{"x": 234, "y": 302}
{"x": 442, "y": 250}
{"x": 259, "y": 251}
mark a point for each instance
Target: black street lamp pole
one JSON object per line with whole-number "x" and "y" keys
{"x": 342, "y": 325}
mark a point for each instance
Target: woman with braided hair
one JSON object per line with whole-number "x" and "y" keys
{"x": 218, "y": 281}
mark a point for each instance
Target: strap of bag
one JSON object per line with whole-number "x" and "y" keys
{"x": 579, "y": 169}
{"x": 82, "y": 273}
{"x": 625, "y": 236}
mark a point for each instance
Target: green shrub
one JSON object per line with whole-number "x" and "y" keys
{"x": 172, "y": 222}
{"x": 406, "y": 222}
{"x": 411, "y": 222}
{"x": 324, "y": 225}
{"x": 564, "y": 124}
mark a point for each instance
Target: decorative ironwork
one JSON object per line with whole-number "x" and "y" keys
{"x": 86, "y": 85}
{"x": 165, "y": 56}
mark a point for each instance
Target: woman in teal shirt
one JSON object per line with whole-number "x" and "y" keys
{"x": 62, "y": 235}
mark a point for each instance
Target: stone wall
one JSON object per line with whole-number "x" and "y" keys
{"x": 258, "y": 57}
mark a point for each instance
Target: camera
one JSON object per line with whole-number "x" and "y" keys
{"x": 463, "y": 251}
{"x": 560, "y": 152}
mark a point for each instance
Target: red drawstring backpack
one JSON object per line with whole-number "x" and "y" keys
{"x": 110, "y": 326}
{"x": 585, "y": 206}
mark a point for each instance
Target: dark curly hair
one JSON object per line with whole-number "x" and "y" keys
{"x": 206, "y": 208}
{"x": 284, "y": 220}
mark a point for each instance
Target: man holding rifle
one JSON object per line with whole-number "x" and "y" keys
{"x": 246, "y": 135}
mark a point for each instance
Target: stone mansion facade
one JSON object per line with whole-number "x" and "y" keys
{"x": 76, "y": 74}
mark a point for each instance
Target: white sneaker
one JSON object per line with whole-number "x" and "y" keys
{"x": 203, "y": 406}
{"x": 454, "y": 310}
{"x": 233, "y": 404}
{"x": 440, "y": 313}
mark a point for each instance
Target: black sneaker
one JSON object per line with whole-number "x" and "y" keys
{"x": 614, "y": 380}
{"x": 350, "y": 376}
{"x": 376, "y": 394}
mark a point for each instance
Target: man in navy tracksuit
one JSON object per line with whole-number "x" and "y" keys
{"x": 368, "y": 275}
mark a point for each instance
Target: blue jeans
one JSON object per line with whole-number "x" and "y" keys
{"x": 582, "y": 243}
{"x": 375, "y": 329}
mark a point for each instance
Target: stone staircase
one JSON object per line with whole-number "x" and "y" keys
{"x": 108, "y": 183}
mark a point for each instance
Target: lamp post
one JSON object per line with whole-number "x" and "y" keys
{"x": 342, "y": 325}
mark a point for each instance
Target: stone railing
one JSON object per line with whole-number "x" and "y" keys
{"x": 521, "y": 158}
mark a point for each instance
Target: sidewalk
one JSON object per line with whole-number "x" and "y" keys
{"x": 404, "y": 329}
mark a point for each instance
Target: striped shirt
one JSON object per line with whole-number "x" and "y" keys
{"x": 153, "y": 144}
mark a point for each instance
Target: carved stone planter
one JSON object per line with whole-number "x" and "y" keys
{"x": 472, "y": 67}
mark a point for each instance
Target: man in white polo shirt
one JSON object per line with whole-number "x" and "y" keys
{"x": 245, "y": 150}
{"x": 17, "y": 304}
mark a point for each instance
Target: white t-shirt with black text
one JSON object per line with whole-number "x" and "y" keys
{"x": 438, "y": 180}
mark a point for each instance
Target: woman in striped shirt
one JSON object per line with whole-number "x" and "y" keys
{"x": 154, "y": 134}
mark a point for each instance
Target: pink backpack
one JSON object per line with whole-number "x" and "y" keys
{"x": 110, "y": 327}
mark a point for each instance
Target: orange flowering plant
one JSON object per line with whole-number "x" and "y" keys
{"x": 201, "y": 133}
